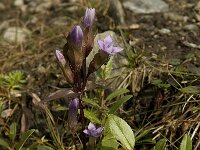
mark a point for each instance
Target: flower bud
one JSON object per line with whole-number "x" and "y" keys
{"x": 72, "y": 114}
{"x": 76, "y": 36}
{"x": 88, "y": 18}
{"x": 65, "y": 67}
{"x": 60, "y": 57}
{"x": 72, "y": 50}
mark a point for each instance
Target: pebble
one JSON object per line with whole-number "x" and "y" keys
{"x": 146, "y": 6}
{"x": 19, "y": 3}
{"x": 175, "y": 17}
{"x": 164, "y": 31}
{"x": 191, "y": 27}
{"x": 16, "y": 34}
{"x": 2, "y": 6}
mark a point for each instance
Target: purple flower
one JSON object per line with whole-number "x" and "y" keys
{"x": 72, "y": 114}
{"x": 60, "y": 57}
{"x": 76, "y": 35}
{"x": 107, "y": 45}
{"x": 92, "y": 131}
{"x": 88, "y": 18}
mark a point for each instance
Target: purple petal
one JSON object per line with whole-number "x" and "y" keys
{"x": 108, "y": 40}
{"x": 101, "y": 44}
{"x": 109, "y": 50}
{"x": 60, "y": 57}
{"x": 99, "y": 130}
{"x": 91, "y": 126}
{"x": 86, "y": 131}
{"x": 88, "y": 18}
{"x": 96, "y": 133}
{"x": 116, "y": 49}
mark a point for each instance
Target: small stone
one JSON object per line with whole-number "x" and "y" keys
{"x": 192, "y": 28}
{"x": 164, "y": 31}
{"x": 197, "y": 16}
{"x": 2, "y": 6}
{"x": 146, "y": 6}
{"x": 175, "y": 17}
{"x": 19, "y": 3}
{"x": 16, "y": 34}
{"x": 4, "y": 25}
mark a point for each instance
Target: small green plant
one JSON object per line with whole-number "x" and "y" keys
{"x": 11, "y": 143}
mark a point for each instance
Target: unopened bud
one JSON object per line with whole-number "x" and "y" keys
{"x": 76, "y": 36}
{"x": 64, "y": 65}
{"x": 88, "y": 18}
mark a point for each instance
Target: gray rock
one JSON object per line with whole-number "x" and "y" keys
{"x": 146, "y": 6}
{"x": 16, "y": 34}
{"x": 116, "y": 11}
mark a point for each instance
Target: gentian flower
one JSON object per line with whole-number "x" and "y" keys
{"x": 72, "y": 114}
{"x": 92, "y": 131}
{"x": 88, "y": 18}
{"x": 107, "y": 46}
{"x": 76, "y": 36}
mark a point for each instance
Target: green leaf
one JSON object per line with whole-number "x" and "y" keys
{"x": 186, "y": 143}
{"x": 24, "y": 138}
{"x": 91, "y": 116}
{"x": 105, "y": 70}
{"x": 12, "y": 131}
{"x": 119, "y": 103}
{"x": 159, "y": 83}
{"x": 160, "y": 145}
{"x": 142, "y": 134}
{"x": 109, "y": 143}
{"x": 121, "y": 131}
{"x": 191, "y": 90}
{"x": 91, "y": 102}
{"x": 116, "y": 93}
{"x": 4, "y": 143}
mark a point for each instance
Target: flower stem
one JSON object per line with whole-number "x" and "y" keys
{"x": 82, "y": 123}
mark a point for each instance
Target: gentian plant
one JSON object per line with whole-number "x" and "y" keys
{"x": 72, "y": 61}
